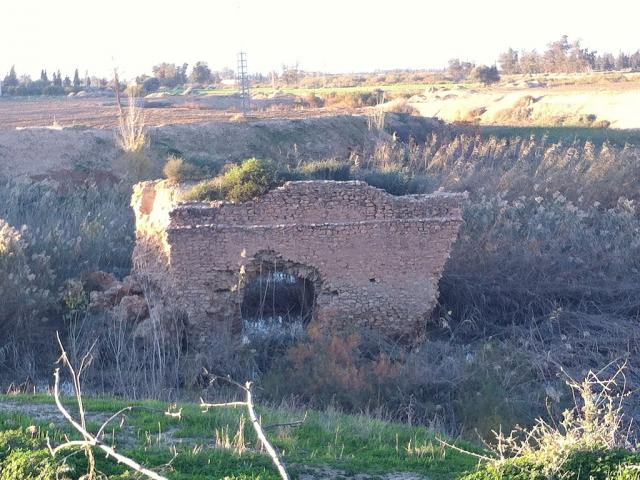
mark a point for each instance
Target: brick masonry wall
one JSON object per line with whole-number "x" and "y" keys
{"x": 375, "y": 259}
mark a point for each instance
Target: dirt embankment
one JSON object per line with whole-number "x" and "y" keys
{"x": 579, "y": 105}
{"x": 39, "y": 151}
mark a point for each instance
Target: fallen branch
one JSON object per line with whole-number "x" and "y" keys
{"x": 89, "y": 440}
{"x": 462, "y": 450}
{"x": 248, "y": 403}
{"x": 295, "y": 423}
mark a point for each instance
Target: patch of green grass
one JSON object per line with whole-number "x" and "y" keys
{"x": 581, "y": 465}
{"x": 353, "y": 444}
{"x": 567, "y": 134}
{"x": 240, "y": 183}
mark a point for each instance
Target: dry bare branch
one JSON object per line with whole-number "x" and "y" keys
{"x": 295, "y": 423}
{"x": 255, "y": 422}
{"x": 89, "y": 441}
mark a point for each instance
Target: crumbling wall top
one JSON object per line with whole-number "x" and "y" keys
{"x": 318, "y": 202}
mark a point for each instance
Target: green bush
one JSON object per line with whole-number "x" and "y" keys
{"x": 24, "y": 456}
{"x": 151, "y": 84}
{"x": 392, "y": 181}
{"x": 241, "y": 183}
{"x": 254, "y": 178}
{"x": 206, "y": 191}
{"x": 581, "y": 465}
{"x": 326, "y": 170}
{"x": 397, "y": 181}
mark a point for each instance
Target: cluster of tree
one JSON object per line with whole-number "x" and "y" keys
{"x": 458, "y": 71}
{"x": 563, "y": 56}
{"x": 24, "y": 85}
{"x": 170, "y": 75}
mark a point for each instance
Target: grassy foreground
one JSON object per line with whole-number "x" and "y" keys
{"x": 213, "y": 445}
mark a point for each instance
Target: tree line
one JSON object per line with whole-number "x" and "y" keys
{"x": 563, "y": 56}
{"x": 163, "y": 75}
{"x": 24, "y": 85}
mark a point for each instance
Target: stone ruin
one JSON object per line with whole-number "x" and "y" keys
{"x": 360, "y": 256}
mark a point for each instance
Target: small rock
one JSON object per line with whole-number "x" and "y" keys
{"x": 108, "y": 299}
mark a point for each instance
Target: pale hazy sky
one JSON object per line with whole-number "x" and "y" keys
{"x": 328, "y": 35}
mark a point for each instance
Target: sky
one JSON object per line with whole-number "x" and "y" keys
{"x": 322, "y": 35}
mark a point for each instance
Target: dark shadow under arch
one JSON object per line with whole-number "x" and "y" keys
{"x": 278, "y": 295}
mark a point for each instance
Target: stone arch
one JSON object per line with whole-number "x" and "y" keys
{"x": 275, "y": 292}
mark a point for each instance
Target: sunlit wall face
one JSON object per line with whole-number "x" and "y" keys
{"x": 332, "y": 36}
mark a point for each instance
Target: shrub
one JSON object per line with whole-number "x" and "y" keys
{"x": 206, "y": 191}
{"x": 313, "y": 101}
{"x": 250, "y": 180}
{"x": 353, "y": 99}
{"x": 590, "y": 442}
{"x": 66, "y": 233}
{"x": 484, "y": 74}
{"x": 131, "y": 132}
{"x": 331, "y": 367}
{"x": 135, "y": 165}
{"x": 438, "y": 384}
{"x": 24, "y": 456}
{"x": 326, "y": 170}
{"x": 25, "y": 281}
{"x": 399, "y": 105}
{"x": 592, "y": 465}
{"x": 241, "y": 183}
{"x": 150, "y": 85}
{"x": 393, "y": 181}
{"x": 177, "y": 170}
{"x": 396, "y": 180}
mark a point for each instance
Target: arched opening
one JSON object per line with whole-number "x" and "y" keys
{"x": 278, "y": 298}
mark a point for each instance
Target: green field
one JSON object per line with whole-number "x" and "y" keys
{"x": 325, "y": 441}
{"x": 564, "y": 134}
{"x": 395, "y": 88}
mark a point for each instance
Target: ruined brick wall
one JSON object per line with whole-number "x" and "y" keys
{"x": 375, "y": 260}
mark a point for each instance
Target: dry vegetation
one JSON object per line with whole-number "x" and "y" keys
{"x": 547, "y": 262}
{"x": 546, "y": 265}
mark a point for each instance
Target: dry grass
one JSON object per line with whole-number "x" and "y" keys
{"x": 595, "y": 423}
{"x": 131, "y": 135}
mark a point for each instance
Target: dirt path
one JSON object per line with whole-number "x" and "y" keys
{"x": 45, "y": 412}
